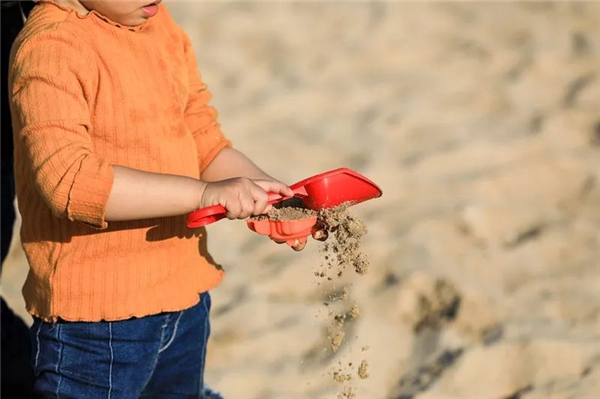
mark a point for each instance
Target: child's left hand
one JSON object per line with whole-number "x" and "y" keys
{"x": 319, "y": 235}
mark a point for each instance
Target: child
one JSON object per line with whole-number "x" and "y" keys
{"x": 114, "y": 143}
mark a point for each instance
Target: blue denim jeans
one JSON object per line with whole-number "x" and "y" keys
{"x": 160, "y": 356}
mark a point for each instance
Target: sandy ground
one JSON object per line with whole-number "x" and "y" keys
{"x": 481, "y": 124}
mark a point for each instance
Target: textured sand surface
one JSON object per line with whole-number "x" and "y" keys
{"x": 480, "y": 122}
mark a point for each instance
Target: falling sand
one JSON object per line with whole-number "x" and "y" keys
{"x": 362, "y": 370}
{"x": 341, "y": 377}
{"x": 347, "y": 233}
{"x": 354, "y": 312}
{"x": 340, "y": 252}
{"x": 347, "y": 393}
{"x": 337, "y": 339}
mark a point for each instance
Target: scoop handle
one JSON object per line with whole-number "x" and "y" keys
{"x": 206, "y": 216}
{"x": 213, "y": 213}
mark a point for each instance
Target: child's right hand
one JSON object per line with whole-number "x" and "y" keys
{"x": 242, "y": 197}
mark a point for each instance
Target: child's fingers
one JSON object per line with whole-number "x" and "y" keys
{"x": 234, "y": 208}
{"x": 242, "y": 198}
{"x": 298, "y": 246}
{"x": 273, "y": 186}
{"x": 320, "y": 235}
{"x": 261, "y": 200}
{"x": 248, "y": 204}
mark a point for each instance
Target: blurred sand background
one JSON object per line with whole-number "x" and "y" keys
{"x": 481, "y": 123}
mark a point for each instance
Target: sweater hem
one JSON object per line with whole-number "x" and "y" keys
{"x": 137, "y": 314}
{"x": 34, "y": 310}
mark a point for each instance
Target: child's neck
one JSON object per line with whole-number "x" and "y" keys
{"x": 74, "y": 5}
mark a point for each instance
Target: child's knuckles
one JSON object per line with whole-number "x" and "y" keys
{"x": 245, "y": 213}
{"x": 247, "y": 209}
{"x": 233, "y": 210}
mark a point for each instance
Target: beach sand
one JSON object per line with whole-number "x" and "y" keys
{"x": 480, "y": 123}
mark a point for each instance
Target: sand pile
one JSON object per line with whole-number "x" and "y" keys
{"x": 291, "y": 209}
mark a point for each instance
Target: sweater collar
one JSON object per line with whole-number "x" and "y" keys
{"x": 96, "y": 14}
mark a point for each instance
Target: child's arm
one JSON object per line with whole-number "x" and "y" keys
{"x": 137, "y": 194}
{"x": 52, "y": 76}
{"x": 232, "y": 163}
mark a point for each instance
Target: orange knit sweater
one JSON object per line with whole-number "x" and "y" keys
{"x": 87, "y": 93}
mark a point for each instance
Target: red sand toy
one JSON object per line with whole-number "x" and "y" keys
{"x": 322, "y": 191}
{"x": 287, "y": 230}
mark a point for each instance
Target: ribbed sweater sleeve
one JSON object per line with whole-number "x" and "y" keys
{"x": 200, "y": 117}
{"x": 53, "y": 82}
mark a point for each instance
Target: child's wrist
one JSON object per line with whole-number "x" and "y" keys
{"x": 200, "y": 197}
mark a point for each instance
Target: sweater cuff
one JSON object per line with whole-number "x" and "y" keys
{"x": 89, "y": 195}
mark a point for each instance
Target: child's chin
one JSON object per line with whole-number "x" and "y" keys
{"x": 133, "y": 22}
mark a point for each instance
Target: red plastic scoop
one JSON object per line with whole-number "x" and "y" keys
{"x": 289, "y": 231}
{"x": 322, "y": 191}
